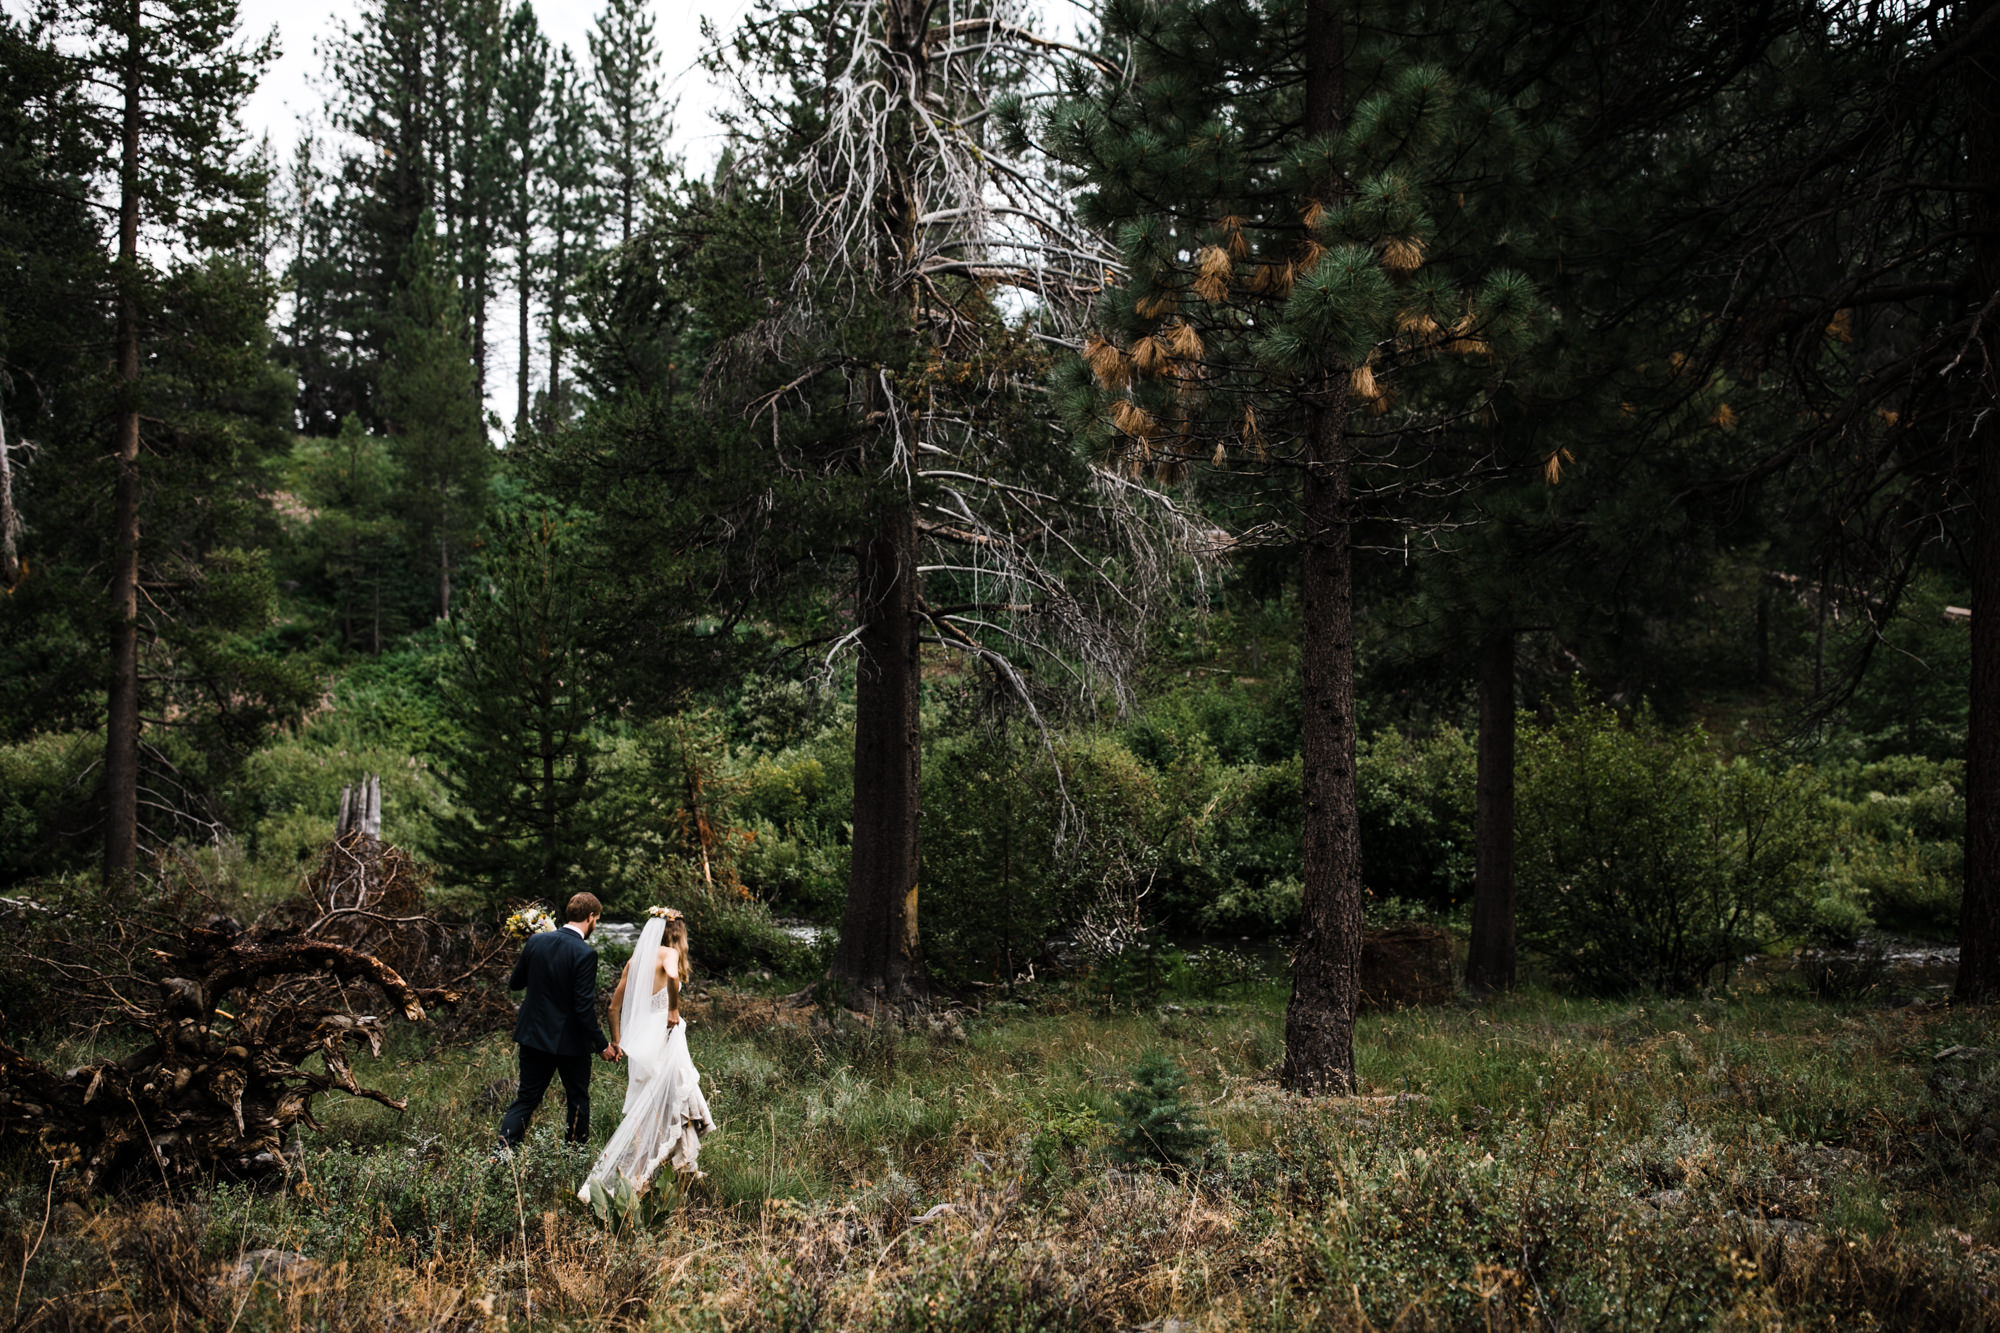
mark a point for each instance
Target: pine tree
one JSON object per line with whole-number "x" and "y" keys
{"x": 382, "y": 70}
{"x": 350, "y": 553}
{"x": 181, "y": 79}
{"x": 1307, "y": 289}
{"x": 573, "y": 211}
{"x": 630, "y": 120}
{"x": 524, "y": 128}
{"x": 915, "y": 211}
{"x": 429, "y": 397}
{"x": 525, "y": 688}
{"x": 474, "y": 167}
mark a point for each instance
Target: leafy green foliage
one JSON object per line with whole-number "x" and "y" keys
{"x": 45, "y": 791}
{"x": 1901, "y": 830}
{"x": 1646, "y": 861}
{"x": 1023, "y": 845}
{"x": 1416, "y": 800}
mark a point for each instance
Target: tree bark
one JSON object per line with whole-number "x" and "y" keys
{"x": 1489, "y": 963}
{"x": 880, "y": 959}
{"x": 121, "y": 724}
{"x": 1979, "y": 910}
{"x": 1326, "y": 965}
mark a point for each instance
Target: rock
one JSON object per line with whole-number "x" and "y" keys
{"x": 270, "y": 1266}
{"x": 1406, "y": 965}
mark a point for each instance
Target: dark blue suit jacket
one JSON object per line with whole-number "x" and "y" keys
{"x": 559, "y": 1012}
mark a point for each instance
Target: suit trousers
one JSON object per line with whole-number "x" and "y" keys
{"x": 537, "y": 1068}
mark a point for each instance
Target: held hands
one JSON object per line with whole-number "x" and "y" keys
{"x": 612, "y": 1053}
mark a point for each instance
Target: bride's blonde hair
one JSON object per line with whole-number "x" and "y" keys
{"x": 676, "y": 938}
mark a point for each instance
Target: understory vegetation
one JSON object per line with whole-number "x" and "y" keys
{"x": 1751, "y": 1159}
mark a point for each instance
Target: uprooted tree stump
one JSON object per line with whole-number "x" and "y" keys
{"x": 221, "y": 1020}
{"x": 218, "y": 1083}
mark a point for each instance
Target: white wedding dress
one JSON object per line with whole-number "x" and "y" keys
{"x": 665, "y": 1112}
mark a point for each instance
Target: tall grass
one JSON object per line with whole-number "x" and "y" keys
{"x": 1753, "y": 1160}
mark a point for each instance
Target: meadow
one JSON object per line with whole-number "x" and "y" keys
{"x": 1757, "y": 1158}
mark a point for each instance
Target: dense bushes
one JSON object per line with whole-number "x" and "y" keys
{"x": 1901, "y": 827}
{"x": 1645, "y": 860}
{"x": 47, "y": 801}
{"x": 1021, "y": 846}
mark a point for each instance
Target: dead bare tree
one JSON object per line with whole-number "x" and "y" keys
{"x": 923, "y": 208}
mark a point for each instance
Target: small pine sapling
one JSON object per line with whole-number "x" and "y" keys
{"x": 1155, "y": 1123}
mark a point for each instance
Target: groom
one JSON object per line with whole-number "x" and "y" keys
{"x": 557, "y": 1029}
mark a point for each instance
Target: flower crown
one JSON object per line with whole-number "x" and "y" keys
{"x": 529, "y": 921}
{"x": 666, "y": 913}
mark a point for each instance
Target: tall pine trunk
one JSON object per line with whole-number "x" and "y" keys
{"x": 1326, "y": 965}
{"x": 121, "y": 726}
{"x": 1489, "y": 963}
{"x": 880, "y": 959}
{"x": 1979, "y": 912}
{"x": 521, "y": 369}
{"x": 558, "y": 285}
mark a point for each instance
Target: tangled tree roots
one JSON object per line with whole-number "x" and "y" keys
{"x": 227, "y": 1020}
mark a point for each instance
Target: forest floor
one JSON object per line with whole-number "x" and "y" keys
{"x": 1746, "y": 1160}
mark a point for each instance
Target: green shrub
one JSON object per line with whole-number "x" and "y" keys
{"x": 48, "y": 794}
{"x": 1645, "y": 861}
{"x": 1900, "y": 828}
{"x": 796, "y": 805}
{"x": 1414, "y": 799}
{"x": 1014, "y": 858}
{"x": 727, "y": 932}
{"x": 288, "y": 796}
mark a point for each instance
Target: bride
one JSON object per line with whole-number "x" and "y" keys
{"x": 665, "y": 1113}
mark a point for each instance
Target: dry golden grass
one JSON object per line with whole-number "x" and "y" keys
{"x": 1743, "y": 1161}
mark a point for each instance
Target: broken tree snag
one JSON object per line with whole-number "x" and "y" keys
{"x": 217, "y": 1082}
{"x": 11, "y": 568}
{"x": 360, "y": 809}
{"x": 369, "y": 895}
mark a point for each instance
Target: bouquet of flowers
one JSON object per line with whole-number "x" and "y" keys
{"x": 528, "y": 921}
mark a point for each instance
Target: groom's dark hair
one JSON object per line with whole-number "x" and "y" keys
{"x": 583, "y": 907}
